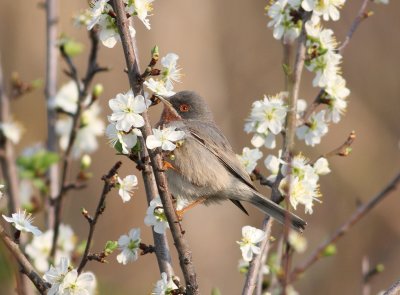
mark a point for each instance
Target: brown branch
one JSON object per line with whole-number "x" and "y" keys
{"x": 10, "y": 173}
{"x": 341, "y": 231}
{"x": 26, "y": 266}
{"x": 109, "y": 182}
{"x": 184, "y": 252}
{"x": 343, "y": 150}
{"x": 293, "y": 83}
{"x": 83, "y": 87}
{"x": 393, "y": 289}
{"x": 50, "y": 93}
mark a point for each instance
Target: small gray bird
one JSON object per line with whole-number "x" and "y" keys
{"x": 204, "y": 168}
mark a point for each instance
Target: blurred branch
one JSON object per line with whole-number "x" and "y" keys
{"x": 108, "y": 185}
{"x": 10, "y": 173}
{"x": 50, "y": 93}
{"x": 341, "y": 231}
{"x": 83, "y": 87}
{"x": 368, "y": 274}
{"x": 26, "y": 266}
{"x": 184, "y": 252}
{"x": 393, "y": 289}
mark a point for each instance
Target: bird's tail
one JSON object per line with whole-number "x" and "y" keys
{"x": 277, "y": 212}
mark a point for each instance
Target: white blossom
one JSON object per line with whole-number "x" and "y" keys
{"x": 297, "y": 241}
{"x": 314, "y": 129}
{"x": 159, "y": 87}
{"x": 155, "y": 216}
{"x": 170, "y": 71}
{"x": 273, "y": 163}
{"x": 22, "y": 221}
{"x": 164, "y": 138}
{"x": 91, "y": 127}
{"x": 249, "y": 158}
{"x": 56, "y": 275}
{"x": 98, "y": 7}
{"x": 40, "y": 246}
{"x": 321, "y": 166}
{"x": 127, "y": 140}
{"x": 251, "y": 236}
{"x": 266, "y": 120}
{"x": 126, "y": 111}
{"x": 328, "y": 9}
{"x": 141, "y": 9}
{"x": 129, "y": 246}
{"x": 67, "y": 97}
{"x": 164, "y": 286}
{"x": 78, "y": 284}
{"x": 336, "y": 95}
{"x": 126, "y": 187}
{"x": 108, "y": 31}
{"x": 283, "y": 23}
{"x": 12, "y": 130}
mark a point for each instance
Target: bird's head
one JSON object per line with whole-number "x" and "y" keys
{"x": 186, "y": 105}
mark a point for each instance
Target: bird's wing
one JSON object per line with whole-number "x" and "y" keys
{"x": 219, "y": 146}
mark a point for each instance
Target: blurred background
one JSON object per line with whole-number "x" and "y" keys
{"x": 229, "y": 56}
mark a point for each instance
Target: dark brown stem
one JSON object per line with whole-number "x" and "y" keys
{"x": 341, "y": 231}
{"x": 50, "y": 93}
{"x": 83, "y": 87}
{"x": 184, "y": 252}
{"x": 25, "y": 265}
{"x": 108, "y": 185}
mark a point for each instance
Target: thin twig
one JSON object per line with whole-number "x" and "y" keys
{"x": 184, "y": 252}
{"x": 50, "y": 93}
{"x": 83, "y": 87}
{"x": 393, "y": 289}
{"x": 26, "y": 266}
{"x": 108, "y": 185}
{"x": 341, "y": 231}
{"x": 366, "y": 288}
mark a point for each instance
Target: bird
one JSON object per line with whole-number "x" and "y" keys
{"x": 204, "y": 167}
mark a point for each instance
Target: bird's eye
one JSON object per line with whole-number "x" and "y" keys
{"x": 184, "y": 108}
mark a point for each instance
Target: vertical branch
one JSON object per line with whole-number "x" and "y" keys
{"x": 184, "y": 252}
{"x": 10, "y": 173}
{"x": 292, "y": 82}
{"x": 50, "y": 92}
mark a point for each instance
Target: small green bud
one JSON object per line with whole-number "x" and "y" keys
{"x": 72, "y": 48}
{"x": 330, "y": 250}
{"x": 172, "y": 157}
{"x": 97, "y": 90}
{"x": 155, "y": 54}
{"x": 380, "y": 267}
{"x": 215, "y": 291}
{"x": 37, "y": 83}
{"x": 86, "y": 161}
{"x": 110, "y": 247}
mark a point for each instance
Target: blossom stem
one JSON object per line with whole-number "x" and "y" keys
{"x": 83, "y": 88}
{"x": 108, "y": 185}
{"x": 341, "y": 231}
{"x": 184, "y": 252}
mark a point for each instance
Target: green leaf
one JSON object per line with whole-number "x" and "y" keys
{"x": 110, "y": 247}
{"x": 215, "y": 291}
{"x": 73, "y": 48}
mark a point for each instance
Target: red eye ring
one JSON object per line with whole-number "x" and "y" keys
{"x": 184, "y": 108}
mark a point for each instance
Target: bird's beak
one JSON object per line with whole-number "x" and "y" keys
{"x": 169, "y": 113}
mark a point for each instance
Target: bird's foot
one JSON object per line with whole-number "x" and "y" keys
{"x": 181, "y": 212}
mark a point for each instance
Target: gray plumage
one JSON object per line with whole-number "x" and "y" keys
{"x": 205, "y": 164}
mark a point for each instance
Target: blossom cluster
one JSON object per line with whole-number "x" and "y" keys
{"x": 91, "y": 127}
{"x": 101, "y": 14}
{"x": 65, "y": 280}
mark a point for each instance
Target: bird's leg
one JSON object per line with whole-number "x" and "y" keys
{"x": 182, "y": 211}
